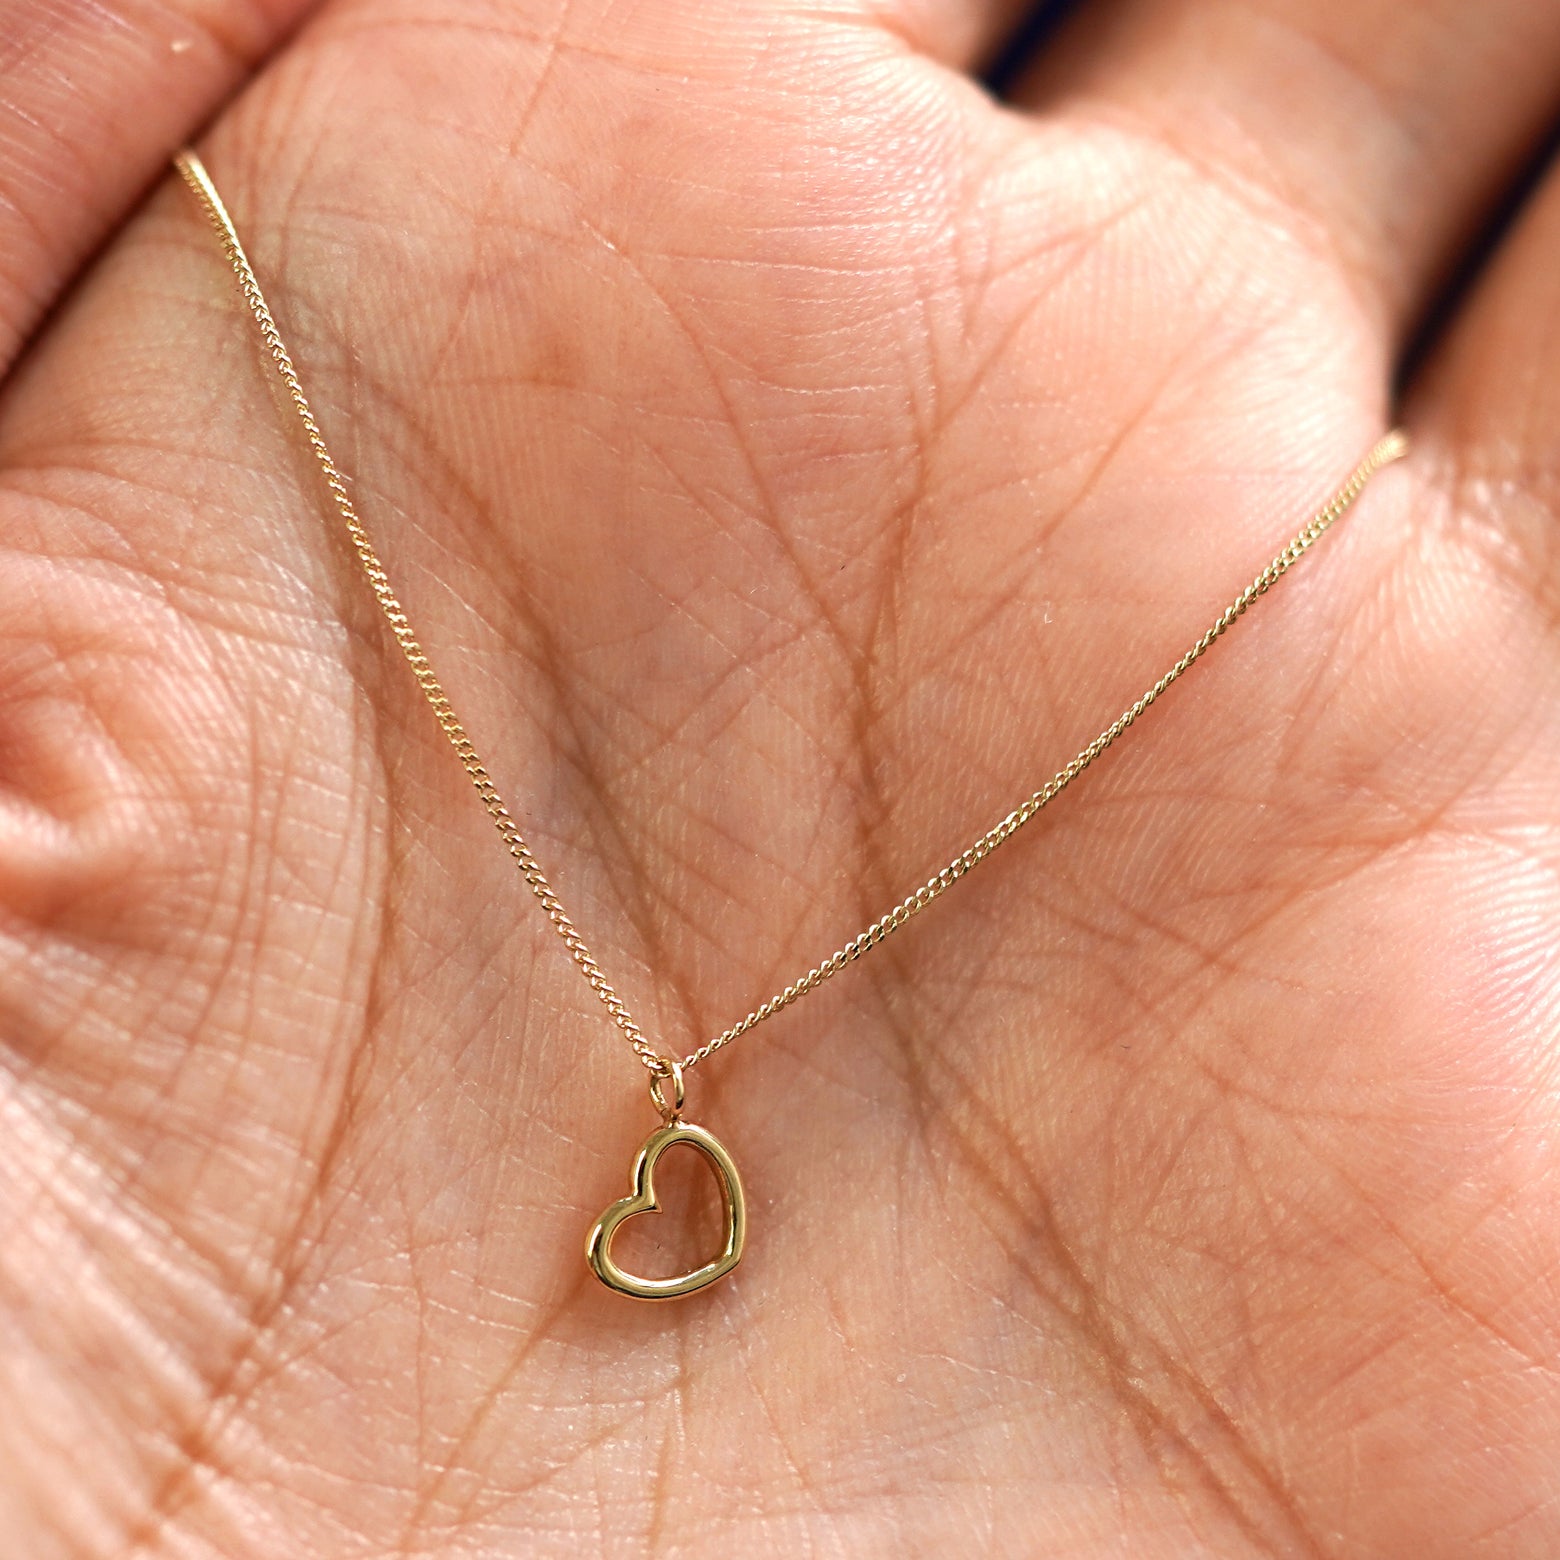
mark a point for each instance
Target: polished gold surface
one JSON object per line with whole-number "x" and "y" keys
{"x": 666, "y": 1072}
{"x": 672, "y": 1133}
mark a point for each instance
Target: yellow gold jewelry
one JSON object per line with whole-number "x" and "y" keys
{"x": 664, "y": 1070}
{"x": 672, "y": 1132}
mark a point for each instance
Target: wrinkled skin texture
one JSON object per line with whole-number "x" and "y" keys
{"x": 790, "y": 456}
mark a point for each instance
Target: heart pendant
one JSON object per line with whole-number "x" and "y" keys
{"x": 598, "y": 1243}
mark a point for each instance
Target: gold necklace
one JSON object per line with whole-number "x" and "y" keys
{"x": 667, "y": 1086}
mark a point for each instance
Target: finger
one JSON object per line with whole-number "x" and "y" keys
{"x": 1488, "y": 405}
{"x": 93, "y": 101}
{"x": 966, "y": 34}
{"x": 1381, "y": 130}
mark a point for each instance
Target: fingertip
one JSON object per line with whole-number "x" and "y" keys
{"x": 93, "y": 102}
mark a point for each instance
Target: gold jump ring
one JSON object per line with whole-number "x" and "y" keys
{"x": 670, "y": 1112}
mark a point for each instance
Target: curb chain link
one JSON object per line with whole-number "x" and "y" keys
{"x": 1392, "y": 447}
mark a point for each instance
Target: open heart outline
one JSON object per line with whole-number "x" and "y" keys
{"x": 598, "y": 1243}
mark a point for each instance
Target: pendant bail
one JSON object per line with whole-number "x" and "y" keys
{"x": 671, "y": 1110}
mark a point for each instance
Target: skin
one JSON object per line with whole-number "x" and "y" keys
{"x": 789, "y": 456}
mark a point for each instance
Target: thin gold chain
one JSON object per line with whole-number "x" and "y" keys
{"x": 1392, "y": 447}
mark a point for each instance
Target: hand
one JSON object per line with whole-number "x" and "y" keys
{"x": 789, "y": 457}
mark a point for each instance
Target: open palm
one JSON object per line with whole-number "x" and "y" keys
{"x": 789, "y": 457}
